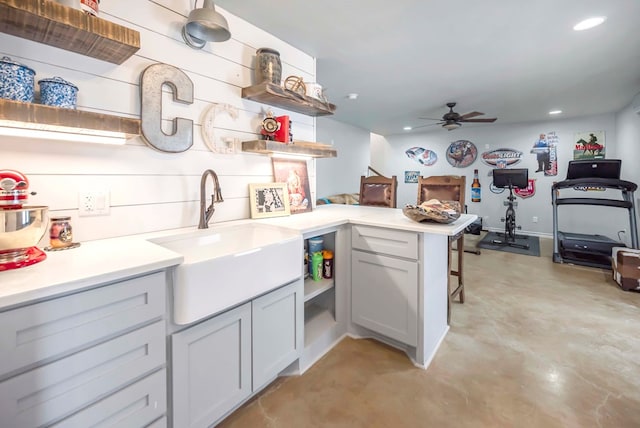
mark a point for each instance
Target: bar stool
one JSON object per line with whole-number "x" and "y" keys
{"x": 378, "y": 190}
{"x": 448, "y": 188}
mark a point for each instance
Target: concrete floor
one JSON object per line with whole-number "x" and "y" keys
{"x": 536, "y": 344}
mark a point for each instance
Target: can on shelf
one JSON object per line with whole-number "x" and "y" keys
{"x": 316, "y": 266}
{"x": 60, "y": 232}
{"x": 327, "y": 264}
{"x": 90, "y": 6}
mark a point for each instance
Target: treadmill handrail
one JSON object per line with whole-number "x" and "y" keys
{"x": 594, "y": 201}
{"x": 609, "y": 183}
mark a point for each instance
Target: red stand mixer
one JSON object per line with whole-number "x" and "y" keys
{"x": 21, "y": 227}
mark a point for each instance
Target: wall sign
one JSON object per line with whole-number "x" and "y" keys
{"x": 501, "y": 158}
{"x": 461, "y": 153}
{"x": 545, "y": 149}
{"x": 494, "y": 189}
{"x": 411, "y": 176}
{"x": 529, "y": 191}
{"x": 152, "y": 79}
{"x": 589, "y": 145}
{"x": 422, "y": 156}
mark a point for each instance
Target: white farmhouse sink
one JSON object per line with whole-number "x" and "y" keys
{"x": 227, "y": 265}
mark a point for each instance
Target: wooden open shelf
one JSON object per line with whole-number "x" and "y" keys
{"x": 302, "y": 148}
{"x": 51, "y": 23}
{"x": 277, "y": 96}
{"x": 39, "y": 115}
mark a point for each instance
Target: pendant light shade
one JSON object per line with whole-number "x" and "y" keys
{"x": 205, "y": 25}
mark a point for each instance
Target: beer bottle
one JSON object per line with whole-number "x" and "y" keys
{"x": 475, "y": 187}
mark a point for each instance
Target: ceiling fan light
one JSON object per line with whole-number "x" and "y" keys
{"x": 589, "y": 23}
{"x": 451, "y": 126}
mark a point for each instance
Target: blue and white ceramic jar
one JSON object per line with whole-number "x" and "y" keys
{"x": 57, "y": 92}
{"x": 16, "y": 81}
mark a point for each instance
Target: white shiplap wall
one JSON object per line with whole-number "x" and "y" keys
{"x": 151, "y": 190}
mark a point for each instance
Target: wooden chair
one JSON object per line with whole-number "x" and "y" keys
{"x": 448, "y": 188}
{"x": 378, "y": 190}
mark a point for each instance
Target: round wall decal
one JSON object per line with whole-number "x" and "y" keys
{"x": 461, "y": 153}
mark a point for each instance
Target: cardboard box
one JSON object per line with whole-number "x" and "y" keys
{"x": 626, "y": 268}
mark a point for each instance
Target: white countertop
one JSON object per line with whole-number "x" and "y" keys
{"x": 331, "y": 215}
{"x": 92, "y": 263}
{"x": 103, "y": 261}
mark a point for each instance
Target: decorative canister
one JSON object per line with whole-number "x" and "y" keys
{"x": 60, "y": 233}
{"x": 268, "y": 66}
{"x": 16, "y": 81}
{"x": 58, "y": 92}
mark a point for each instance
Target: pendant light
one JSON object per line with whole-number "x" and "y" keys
{"x": 205, "y": 25}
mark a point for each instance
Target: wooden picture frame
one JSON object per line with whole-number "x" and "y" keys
{"x": 294, "y": 173}
{"x": 268, "y": 200}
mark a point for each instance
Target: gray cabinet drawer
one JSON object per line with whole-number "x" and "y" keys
{"x": 45, "y": 330}
{"x": 135, "y": 406}
{"x": 53, "y": 391}
{"x": 392, "y": 242}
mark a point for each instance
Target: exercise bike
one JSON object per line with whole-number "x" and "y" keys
{"x": 509, "y": 179}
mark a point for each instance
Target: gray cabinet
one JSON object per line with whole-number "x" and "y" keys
{"x": 384, "y": 282}
{"x": 64, "y": 359}
{"x": 211, "y": 365}
{"x": 220, "y": 362}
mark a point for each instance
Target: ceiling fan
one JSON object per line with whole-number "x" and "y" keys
{"x": 452, "y": 120}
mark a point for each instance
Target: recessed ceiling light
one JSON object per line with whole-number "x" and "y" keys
{"x": 407, "y": 128}
{"x": 352, "y": 96}
{"x": 589, "y": 23}
{"x": 555, "y": 112}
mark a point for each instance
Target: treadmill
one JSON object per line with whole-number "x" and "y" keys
{"x": 584, "y": 249}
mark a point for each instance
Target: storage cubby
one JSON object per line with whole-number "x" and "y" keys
{"x": 320, "y": 320}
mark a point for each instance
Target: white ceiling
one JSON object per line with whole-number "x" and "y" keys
{"x": 511, "y": 59}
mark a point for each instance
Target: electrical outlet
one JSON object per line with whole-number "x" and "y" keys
{"x": 535, "y": 219}
{"x": 93, "y": 203}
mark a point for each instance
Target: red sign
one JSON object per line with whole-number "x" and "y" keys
{"x": 529, "y": 191}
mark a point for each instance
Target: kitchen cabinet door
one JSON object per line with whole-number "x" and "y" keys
{"x": 211, "y": 368}
{"x": 384, "y": 295}
{"x": 278, "y": 321}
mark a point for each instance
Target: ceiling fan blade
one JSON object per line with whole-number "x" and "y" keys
{"x": 470, "y": 115}
{"x": 424, "y": 126}
{"x": 487, "y": 120}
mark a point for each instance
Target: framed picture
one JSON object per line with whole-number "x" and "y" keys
{"x": 293, "y": 172}
{"x": 268, "y": 200}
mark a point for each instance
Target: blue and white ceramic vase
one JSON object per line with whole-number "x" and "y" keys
{"x": 268, "y": 66}
{"x": 57, "y": 92}
{"x": 16, "y": 81}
